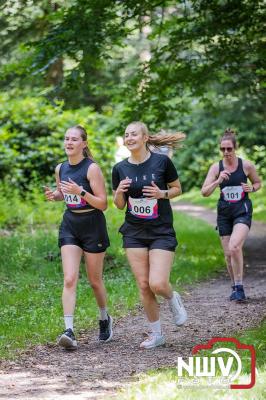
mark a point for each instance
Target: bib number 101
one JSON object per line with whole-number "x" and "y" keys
{"x": 232, "y": 196}
{"x": 233, "y": 193}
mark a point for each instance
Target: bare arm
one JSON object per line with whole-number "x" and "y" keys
{"x": 57, "y": 194}
{"x": 174, "y": 189}
{"x": 99, "y": 197}
{"x": 154, "y": 192}
{"x": 119, "y": 194}
{"x": 252, "y": 175}
{"x": 212, "y": 180}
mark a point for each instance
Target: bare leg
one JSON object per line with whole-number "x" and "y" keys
{"x": 237, "y": 239}
{"x": 139, "y": 262}
{"x": 227, "y": 255}
{"x": 160, "y": 266}
{"x": 94, "y": 268}
{"x": 71, "y": 256}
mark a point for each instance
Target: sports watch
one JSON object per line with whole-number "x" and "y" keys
{"x": 83, "y": 192}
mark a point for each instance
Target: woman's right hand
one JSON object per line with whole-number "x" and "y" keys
{"x": 123, "y": 185}
{"x": 49, "y": 194}
{"x": 223, "y": 176}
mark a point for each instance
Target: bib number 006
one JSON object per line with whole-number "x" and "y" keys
{"x": 143, "y": 208}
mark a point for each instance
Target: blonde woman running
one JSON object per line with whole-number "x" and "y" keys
{"x": 144, "y": 183}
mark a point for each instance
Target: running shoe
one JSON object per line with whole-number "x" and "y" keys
{"x": 240, "y": 294}
{"x": 178, "y": 310}
{"x": 152, "y": 341}
{"x": 106, "y": 332}
{"x": 68, "y": 340}
{"x": 233, "y": 294}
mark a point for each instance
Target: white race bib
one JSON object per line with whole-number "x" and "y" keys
{"x": 233, "y": 193}
{"x": 73, "y": 200}
{"x": 143, "y": 208}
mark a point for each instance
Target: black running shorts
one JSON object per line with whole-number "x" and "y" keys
{"x": 86, "y": 230}
{"x": 230, "y": 214}
{"x": 168, "y": 243}
{"x": 152, "y": 236}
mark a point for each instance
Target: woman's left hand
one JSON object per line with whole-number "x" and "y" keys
{"x": 247, "y": 187}
{"x": 153, "y": 192}
{"x": 70, "y": 187}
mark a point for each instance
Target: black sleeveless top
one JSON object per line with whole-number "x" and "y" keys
{"x": 230, "y": 189}
{"x": 78, "y": 173}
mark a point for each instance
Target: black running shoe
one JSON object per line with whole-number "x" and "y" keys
{"x": 68, "y": 340}
{"x": 233, "y": 294}
{"x": 240, "y": 294}
{"x": 106, "y": 332}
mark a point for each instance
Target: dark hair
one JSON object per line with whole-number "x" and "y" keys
{"x": 84, "y": 135}
{"x": 229, "y": 134}
{"x": 162, "y": 138}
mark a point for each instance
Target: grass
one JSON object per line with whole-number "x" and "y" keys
{"x": 164, "y": 384}
{"x": 31, "y": 278}
{"x": 31, "y": 284}
{"x": 258, "y": 201}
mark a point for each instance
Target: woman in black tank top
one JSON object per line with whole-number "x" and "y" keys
{"x": 83, "y": 231}
{"x": 234, "y": 208}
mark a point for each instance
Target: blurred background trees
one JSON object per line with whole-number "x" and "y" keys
{"x": 196, "y": 66}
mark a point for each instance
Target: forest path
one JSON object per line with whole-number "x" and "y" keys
{"x": 97, "y": 371}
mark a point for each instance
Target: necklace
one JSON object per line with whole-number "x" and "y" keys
{"x": 147, "y": 155}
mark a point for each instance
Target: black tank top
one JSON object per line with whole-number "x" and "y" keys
{"x": 231, "y": 189}
{"x": 78, "y": 173}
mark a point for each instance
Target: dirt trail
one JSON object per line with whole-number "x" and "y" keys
{"x": 97, "y": 371}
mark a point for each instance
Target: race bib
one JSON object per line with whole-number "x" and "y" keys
{"x": 143, "y": 208}
{"x": 233, "y": 193}
{"x": 74, "y": 201}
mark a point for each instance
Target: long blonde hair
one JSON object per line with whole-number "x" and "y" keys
{"x": 172, "y": 140}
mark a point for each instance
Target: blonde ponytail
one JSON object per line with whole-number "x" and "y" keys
{"x": 172, "y": 140}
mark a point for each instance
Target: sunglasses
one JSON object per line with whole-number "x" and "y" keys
{"x": 228, "y": 149}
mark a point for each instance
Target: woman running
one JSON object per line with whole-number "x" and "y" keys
{"x": 144, "y": 183}
{"x": 234, "y": 209}
{"x": 80, "y": 184}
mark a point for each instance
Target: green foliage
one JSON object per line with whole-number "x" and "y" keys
{"x": 204, "y": 126}
{"x": 32, "y": 133}
{"x": 29, "y": 209}
{"x": 192, "y": 66}
{"x": 200, "y": 46}
{"x": 189, "y": 47}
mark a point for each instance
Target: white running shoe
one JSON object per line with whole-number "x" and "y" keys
{"x": 178, "y": 310}
{"x": 153, "y": 340}
{"x": 68, "y": 340}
